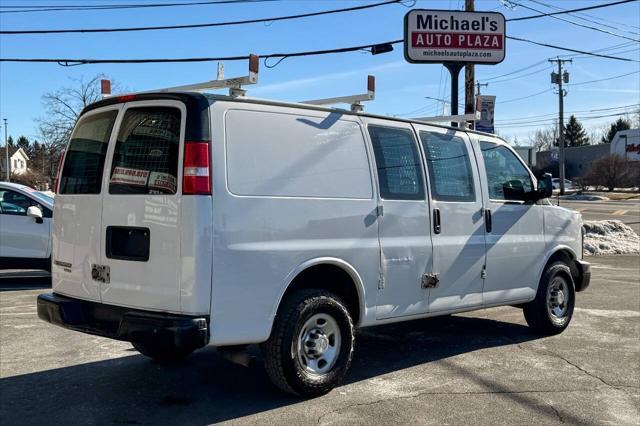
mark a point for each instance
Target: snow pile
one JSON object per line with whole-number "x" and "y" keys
{"x": 604, "y": 237}
{"x": 584, "y": 197}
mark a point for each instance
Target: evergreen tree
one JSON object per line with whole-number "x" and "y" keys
{"x": 620, "y": 124}
{"x": 10, "y": 141}
{"x": 574, "y": 133}
{"x": 23, "y": 143}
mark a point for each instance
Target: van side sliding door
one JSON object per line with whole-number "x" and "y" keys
{"x": 458, "y": 232}
{"x": 403, "y": 220}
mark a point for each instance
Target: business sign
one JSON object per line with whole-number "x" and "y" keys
{"x": 128, "y": 176}
{"x": 486, "y": 106}
{"x": 447, "y": 36}
{"x": 626, "y": 143}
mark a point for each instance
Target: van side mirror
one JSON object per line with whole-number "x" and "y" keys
{"x": 514, "y": 190}
{"x": 545, "y": 186}
{"x": 36, "y": 213}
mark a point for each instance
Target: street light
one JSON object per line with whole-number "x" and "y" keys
{"x": 438, "y": 99}
{"x": 6, "y": 150}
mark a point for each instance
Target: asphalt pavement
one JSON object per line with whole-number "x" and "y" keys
{"x": 484, "y": 367}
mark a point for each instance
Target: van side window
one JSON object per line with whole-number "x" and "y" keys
{"x": 145, "y": 160}
{"x": 504, "y": 171}
{"x": 449, "y": 167}
{"x": 398, "y": 163}
{"x": 84, "y": 161}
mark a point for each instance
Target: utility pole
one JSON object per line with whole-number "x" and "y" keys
{"x": 469, "y": 77}
{"x": 559, "y": 78}
{"x": 478, "y": 85}
{"x": 6, "y": 150}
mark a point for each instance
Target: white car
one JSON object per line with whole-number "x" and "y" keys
{"x": 567, "y": 183}
{"x": 25, "y": 227}
{"x": 184, "y": 220}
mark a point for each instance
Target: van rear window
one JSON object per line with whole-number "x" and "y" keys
{"x": 84, "y": 161}
{"x": 145, "y": 160}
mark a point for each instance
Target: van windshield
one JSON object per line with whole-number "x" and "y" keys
{"x": 84, "y": 161}
{"x": 145, "y": 160}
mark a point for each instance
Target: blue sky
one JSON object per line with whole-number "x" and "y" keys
{"x": 401, "y": 87}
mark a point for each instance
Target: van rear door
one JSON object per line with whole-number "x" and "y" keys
{"x": 76, "y": 243}
{"x": 141, "y": 208}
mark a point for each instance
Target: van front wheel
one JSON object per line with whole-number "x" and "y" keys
{"x": 311, "y": 344}
{"x": 551, "y": 311}
{"x": 162, "y": 352}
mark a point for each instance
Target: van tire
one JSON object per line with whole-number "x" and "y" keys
{"x": 284, "y": 360}
{"x": 551, "y": 312}
{"x": 162, "y": 352}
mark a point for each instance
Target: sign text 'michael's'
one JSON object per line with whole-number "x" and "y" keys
{"x": 431, "y": 22}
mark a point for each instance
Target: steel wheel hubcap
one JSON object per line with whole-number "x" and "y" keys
{"x": 558, "y": 298}
{"x": 319, "y": 344}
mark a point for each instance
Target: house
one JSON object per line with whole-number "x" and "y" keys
{"x": 17, "y": 161}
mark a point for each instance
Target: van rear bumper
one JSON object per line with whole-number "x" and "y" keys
{"x": 121, "y": 323}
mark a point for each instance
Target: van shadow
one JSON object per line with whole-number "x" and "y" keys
{"x": 206, "y": 389}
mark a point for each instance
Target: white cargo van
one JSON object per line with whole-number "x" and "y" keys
{"x": 184, "y": 220}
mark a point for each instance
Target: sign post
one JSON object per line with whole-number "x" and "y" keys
{"x": 454, "y": 71}
{"x": 454, "y": 39}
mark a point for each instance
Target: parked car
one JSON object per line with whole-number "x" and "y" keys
{"x": 25, "y": 227}
{"x": 184, "y": 220}
{"x": 567, "y": 183}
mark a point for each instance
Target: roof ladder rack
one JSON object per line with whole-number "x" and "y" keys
{"x": 233, "y": 84}
{"x": 354, "y": 100}
{"x": 450, "y": 118}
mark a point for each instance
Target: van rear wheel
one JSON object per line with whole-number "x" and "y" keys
{"x": 311, "y": 344}
{"x": 552, "y": 309}
{"x": 162, "y": 352}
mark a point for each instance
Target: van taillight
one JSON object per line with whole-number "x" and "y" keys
{"x": 196, "y": 173}
{"x": 56, "y": 181}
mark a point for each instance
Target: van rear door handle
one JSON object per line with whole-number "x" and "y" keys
{"x": 487, "y": 220}
{"x": 436, "y": 221}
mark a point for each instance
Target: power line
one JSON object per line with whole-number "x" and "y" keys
{"x": 82, "y": 6}
{"x": 603, "y": 79}
{"x": 552, "y": 15}
{"x": 570, "y": 50}
{"x": 546, "y": 117}
{"x": 524, "y": 97}
{"x": 219, "y": 24}
{"x": 550, "y": 122}
{"x": 521, "y": 76}
{"x": 205, "y": 25}
{"x": 73, "y": 62}
{"x": 596, "y": 19}
{"x": 573, "y": 84}
{"x": 51, "y": 8}
{"x": 580, "y": 9}
{"x": 516, "y": 71}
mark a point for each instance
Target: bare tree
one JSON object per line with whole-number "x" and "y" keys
{"x": 543, "y": 139}
{"x": 611, "y": 171}
{"x": 62, "y": 108}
